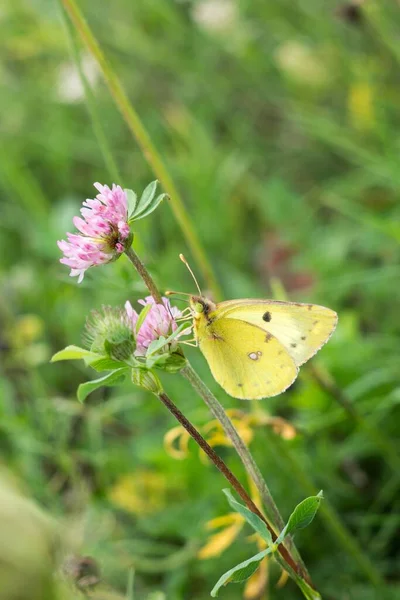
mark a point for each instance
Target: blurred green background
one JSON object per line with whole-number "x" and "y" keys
{"x": 279, "y": 123}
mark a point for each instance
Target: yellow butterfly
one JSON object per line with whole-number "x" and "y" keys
{"x": 254, "y": 347}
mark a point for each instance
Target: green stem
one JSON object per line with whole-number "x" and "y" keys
{"x": 244, "y": 453}
{"x": 142, "y": 137}
{"x": 288, "y": 561}
{"x": 328, "y": 513}
{"x": 144, "y": 274}
{"x": 98, "y": 130}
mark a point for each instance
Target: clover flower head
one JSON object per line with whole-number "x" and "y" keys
{"x": 160, "y": 321}
{"x": 104, "y": 231}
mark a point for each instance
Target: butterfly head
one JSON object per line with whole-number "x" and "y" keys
{"x": 201, "y": 307}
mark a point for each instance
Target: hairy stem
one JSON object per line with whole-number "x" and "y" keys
{"x": 235, "y": 483}
{"x": 144, "y": 274}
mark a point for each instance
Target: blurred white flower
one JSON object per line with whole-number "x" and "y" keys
{"x": 215, "y": 15}
{"x": 301, "y": 63}
{"x": 69, "y": 85}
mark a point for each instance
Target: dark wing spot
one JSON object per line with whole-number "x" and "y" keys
{"x": 303, "y": 337}
{"x": 282, "y": 367}
{"x": 280, "y": 352}
{"x": 294, "y": 345}
{"x": 315, "y": 322}
{"x": 240, "y": 384}
{"x": 309, "y": 306}
{"x": 267, "y": 316}
{"x": 268, "y": 337}
{"x": 215, "y": 336}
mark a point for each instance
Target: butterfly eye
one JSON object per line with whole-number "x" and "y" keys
{"x": 198, "y": 307}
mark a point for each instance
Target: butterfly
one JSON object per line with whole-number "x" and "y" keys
{"x": 254, "y": 348}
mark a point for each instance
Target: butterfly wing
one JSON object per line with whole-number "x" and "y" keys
{"x": 245, "y": 360}
{"x": 301, "y": 328}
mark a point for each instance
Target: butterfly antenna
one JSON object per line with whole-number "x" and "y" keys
{"x": 185, "y": 262}
{"x": 172, "y": 293}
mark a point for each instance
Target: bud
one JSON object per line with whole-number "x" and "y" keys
{"x": 147, "y": 380}
{"x": 109, "y": 332}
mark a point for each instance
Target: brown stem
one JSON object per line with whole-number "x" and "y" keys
{"x": 227, "y": 473}
{"x": 144, "y": 274}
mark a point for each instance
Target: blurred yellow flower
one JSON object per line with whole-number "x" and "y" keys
{"x": 142, "y": 492}
{"x": 360, "y": 105}
{"x": 176, "y": 440}
{"x": 232, "y": 524}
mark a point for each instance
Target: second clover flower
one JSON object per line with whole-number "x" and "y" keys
{"x": 159, "y": 321}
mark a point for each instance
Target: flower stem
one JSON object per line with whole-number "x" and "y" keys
{"x": 237, "y": 486}
{"x": 144, "y": 274}
{"x": 248, "y": 461}
{"x": 145, "y": 142}
{"x": 244, "y": 453}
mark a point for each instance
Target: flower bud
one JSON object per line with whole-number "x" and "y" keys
{"x": 109, "y": 332}
{"x": 147, "y": 380}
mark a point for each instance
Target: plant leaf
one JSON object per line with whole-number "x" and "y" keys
{"x": 241, "y": 572}
{"x": 257, "y": 524}
{"x": 114, "y": 378}
{"x": 151, "y": 207}
{"x": 131, "y": 197}
{"x": 73, "y": 353}
{"x": 156, "y": 345}
{"x": 145, "y": 198}
{"x": 143, "y": 314}
{"x": 302, "y": 515}
{"x": 106, "y": 364}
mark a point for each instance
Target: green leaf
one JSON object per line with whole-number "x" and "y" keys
{"x": 73, "y": 353}
{"x": 151, "y": 207}
{"x": 114, "y": 378}
{"x": 241, "y": 572}
{"x": 156, "y": 345}
{"x": 257, "y": 524}
{"x": 172, "y": 363}
{"x": 142, "y": 316}
{"x": 145, "y": 199}
{"x": 302, "y": 515}
{"x": 132, "y": 201}
{"x": 106, "y": 364}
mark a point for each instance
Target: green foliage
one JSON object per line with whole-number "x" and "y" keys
{"x": 241, "y": 572}
{"x": 256, "y": 523}
{"x": 302, "y": 516}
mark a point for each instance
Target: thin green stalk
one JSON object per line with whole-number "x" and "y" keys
{"x": 328, "y": 513}
{"x": 98, "y": 130}
{"x": 245, "y": 455}
{"x": 142, "y": 137}
{"x": 219, "y": 413}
